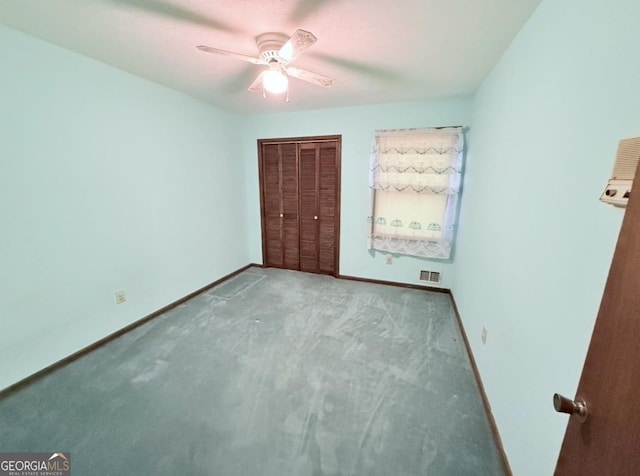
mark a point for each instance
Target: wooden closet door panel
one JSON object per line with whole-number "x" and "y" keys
{"x": 290, "y": 212}
{"x": 271, "y": 198}
{"x": 308, "y": 183}
{"x": 328, "y": 178}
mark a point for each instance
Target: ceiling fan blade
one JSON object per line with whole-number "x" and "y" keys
{"x": 248, "y": 59}
{"x": 299, "y": 41}
{"x": 370, "y": 70}
{"x": 257, "y": 83}
{"x": 168, "y": 10}
{"x": 305, "y": 8}
{"x": 315, "y": 78}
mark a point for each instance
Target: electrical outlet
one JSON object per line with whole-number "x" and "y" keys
{"x": 484, "y": 335}
{"x": 389, "y": 259}
{"x": 121, "y": 297}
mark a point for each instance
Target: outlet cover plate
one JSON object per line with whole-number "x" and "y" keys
{"x": 121, "y": 297}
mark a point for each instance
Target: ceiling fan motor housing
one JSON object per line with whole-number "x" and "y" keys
{"x": 269, "y": 45}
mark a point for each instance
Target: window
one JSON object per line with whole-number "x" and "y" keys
{"x": 415, "y": 180}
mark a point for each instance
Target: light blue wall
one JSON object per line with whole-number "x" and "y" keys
{"x": 535, "y": 243}
{"x": 107, "y": 182}
{"x": 357, "y": 126}
{"x": 110, "y": 182}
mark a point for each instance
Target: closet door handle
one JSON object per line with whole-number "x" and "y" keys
{"x": 315, "y": 217}
{"x": 282, "y": 215}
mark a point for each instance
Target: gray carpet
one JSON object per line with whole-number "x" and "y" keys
{"x": 270, "y": 373}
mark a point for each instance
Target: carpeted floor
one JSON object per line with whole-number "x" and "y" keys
{"x": 270, "y": 373}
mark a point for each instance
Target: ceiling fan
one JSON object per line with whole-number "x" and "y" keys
{"x": 276, "y": 51}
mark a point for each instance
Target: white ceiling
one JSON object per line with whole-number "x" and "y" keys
{"x": 377, "y": 50}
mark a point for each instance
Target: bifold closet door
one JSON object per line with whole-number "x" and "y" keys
{"x": 279, "y": 178}
{"x": 300, "y": 203}
{"x": 318, "y": 172}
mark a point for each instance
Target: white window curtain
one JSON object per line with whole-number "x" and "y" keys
{"x": 415, "y": 181}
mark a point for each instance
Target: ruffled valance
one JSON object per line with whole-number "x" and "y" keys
{"x": 417, "y": 160}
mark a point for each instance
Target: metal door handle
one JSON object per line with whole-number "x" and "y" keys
{"x": 281, "y": 215}
{"x": 566, "y": 405}
{"x": 315, "y": 217}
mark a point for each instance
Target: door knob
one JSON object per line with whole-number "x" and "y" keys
{"x": 315, "y": 217}
{"x": 281, "y": 215}
{"x": 566, "y": 405}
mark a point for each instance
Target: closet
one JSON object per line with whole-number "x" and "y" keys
{"x": 300, "y": 203}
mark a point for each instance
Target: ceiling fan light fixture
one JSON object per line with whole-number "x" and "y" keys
{"x": 275, "y": 81}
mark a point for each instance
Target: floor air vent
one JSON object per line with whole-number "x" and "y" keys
{"x": 430, "y": 276}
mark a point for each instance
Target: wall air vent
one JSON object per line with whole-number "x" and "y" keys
{"x": 431, "y": 276}
{"x": 618, "y": 188}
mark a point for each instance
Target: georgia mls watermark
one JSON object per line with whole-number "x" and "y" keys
{"x": 35, "y": 464}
